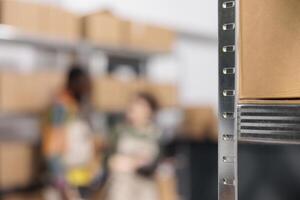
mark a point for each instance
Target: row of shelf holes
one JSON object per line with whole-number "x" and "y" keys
{"x": 227, "y": 49}
{"x": 227, "y": 93}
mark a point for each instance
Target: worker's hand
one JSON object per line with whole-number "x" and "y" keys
{"x": 146, "y": 171}
{"x": 121, "y": 163}
{"x": 101, "y": 143}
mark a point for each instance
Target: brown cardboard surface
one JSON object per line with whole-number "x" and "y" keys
{"x": 103, "y": 28}
{"x": 59, "y": 23}
{"x": 20, "y": 93}
{"x": 200, "y": 123}
{"x": 148, "y": 37}
{"x": 270, "y": 46}
{"x": 24, "y": 15}
{"x": 16, "y": 165}
{"x": 113, "y": 95}
{"x": 166, "y": 94}
{"x": 40, "y": 19}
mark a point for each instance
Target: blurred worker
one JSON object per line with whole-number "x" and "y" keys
{"x": 136, "y": 149}
{"x": 68, "y": 141}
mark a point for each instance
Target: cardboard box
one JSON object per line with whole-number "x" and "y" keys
{"x": 40, "y": 19}
{"x": 59, "y": 23}
{"x": 103, "y": 28}
{"x": 113, "y": 95}
{"x": 166, "y": 94}
{"x": 200, "y": 123}
{"x": 21, "y": 14}
{"x": 269, "y": 49}
{"x": 16, "y": 165}
{"x": 148, "y": 37}
{"x": 23, "y": 93}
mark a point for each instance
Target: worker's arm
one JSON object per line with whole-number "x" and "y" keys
{"x": 54, "y": 139}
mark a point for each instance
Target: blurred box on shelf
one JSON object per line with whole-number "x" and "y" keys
{"x": 270, "y": 46}
{"x": 103, "y": 28}
{"x": 28, "y": 93}
{"x": 200, "y": 123}
{"x": 16, "y": 165}
{"x": 40, "y": 19}
{"x": 59, "y": 23}
{"x": 165, "y": 93}
{"x": 113, "y": 95}
{"x": 148, "y": 37}
{"x": 21, "y": 14}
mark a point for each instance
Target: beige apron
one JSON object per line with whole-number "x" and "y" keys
{"x": 133, "y": 150}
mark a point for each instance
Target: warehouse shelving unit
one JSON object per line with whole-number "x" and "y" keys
{"x": 11, "y": 124}
{"x": 135, "y": 59}
{"x": 82, "y": 49}
{"x": 275, "y": 125}
{"x": 9, "y": 34}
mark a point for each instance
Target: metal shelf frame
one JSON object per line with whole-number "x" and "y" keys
{"x": 227, "y": 181}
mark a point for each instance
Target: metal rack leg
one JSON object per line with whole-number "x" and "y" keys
{"x": 227, "y": 137}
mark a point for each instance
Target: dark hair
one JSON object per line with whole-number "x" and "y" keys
{"x": 150, "y": 99}
{"x": 74, "y": 74}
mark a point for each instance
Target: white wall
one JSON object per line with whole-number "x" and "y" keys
{"x": 199, "y": 73}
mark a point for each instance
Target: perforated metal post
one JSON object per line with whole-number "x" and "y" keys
{"x": 227, "y": 92}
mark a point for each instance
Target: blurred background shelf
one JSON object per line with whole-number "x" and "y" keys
{"x": 10, "y": 34}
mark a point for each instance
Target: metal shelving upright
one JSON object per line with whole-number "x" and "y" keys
{"x": 227, "y": 91}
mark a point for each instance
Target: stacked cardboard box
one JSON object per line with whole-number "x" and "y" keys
{"x": 200, "y": 123}
{"x": 114, "y": 95}
{"x": 166, "y": 94}
{"x": 59, "y": 23}
{"x": 32, "y": 93}
{"x": 148, "y": 37}
{"x": 28, "y": 92}
{"x": 40, "y": 19}
{"x": 16, "y": 165}
{"x": 270, "y": 46}
{"x": 107, "y": 29}
{"x": 103, "y": 28}
{"x": 23, "y": 15}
